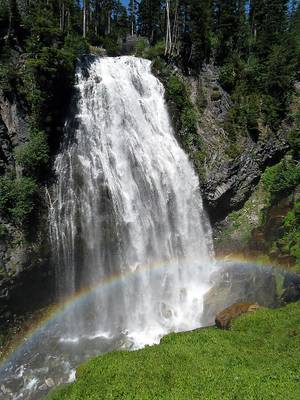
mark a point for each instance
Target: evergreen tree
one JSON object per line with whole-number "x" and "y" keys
{"x": 231, "y": 28}
{"x": 269, "y": 22}
{"x": 149, "y": 19}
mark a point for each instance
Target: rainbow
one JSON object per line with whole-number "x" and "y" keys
{"x": 56, "y": 312}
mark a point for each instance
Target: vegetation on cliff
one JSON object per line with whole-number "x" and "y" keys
{"x": 257, "y": 358}
{"x": 37, "y": 70}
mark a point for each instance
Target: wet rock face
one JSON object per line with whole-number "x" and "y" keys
{"x": 235, "y": 283}
{"x": 24, "y": 263}
{"x": 229, "y": 179}
{"x": 224, "y": 318}
{"x": 26, "y": 280}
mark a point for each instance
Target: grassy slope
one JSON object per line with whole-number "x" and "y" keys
{"x": 258, "y": 359}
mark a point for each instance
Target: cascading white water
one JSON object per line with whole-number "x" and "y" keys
{"x": 128, "y": 201}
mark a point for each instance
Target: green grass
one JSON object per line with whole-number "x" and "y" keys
{"x": 257, "y": 359}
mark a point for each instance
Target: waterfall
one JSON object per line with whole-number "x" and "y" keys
{"x": 127, "y": 205}
{"x": 131, "y": 244}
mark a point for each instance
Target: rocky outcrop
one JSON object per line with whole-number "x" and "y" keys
{"x": 229, "y": 177}
{"x": 224, "y": 318}
{"x": 236, "y": 283}
{"x": 24, "y": 255}
{"x": 13, "y": 130}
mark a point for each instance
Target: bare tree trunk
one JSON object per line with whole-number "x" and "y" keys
{"x": 132, "y": 17}
{"x": 69, "y": 19}
{"x": 108, "y": 22}
{"x": 168, "y": 46}
{"x": 175, "y": 30}
{"x": 62, "y": 15}
{"x": 84, "y": 19}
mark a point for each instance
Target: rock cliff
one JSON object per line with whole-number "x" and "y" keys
{"x": 231, "y": 169}
{"x": 24, "y": 253}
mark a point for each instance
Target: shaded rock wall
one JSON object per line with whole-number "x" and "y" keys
{"x": 25, "y": 276}
{"x": 228, "y": 180}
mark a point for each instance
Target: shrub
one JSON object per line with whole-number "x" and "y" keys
{"x": 280, "y": 179}
{"x": 17, "y": 197}
{"x": 188, "y": 120}
{"x": 289, "y": 242}
{"x": 216, "y": 95}
{"x": 155, "y": 51}
{"x": 294, "y": 136}
{"x": 176, "y": 91}
{"x": 140, "y": 47}
{"x": 111, "y": 45}
{"x": 77, "y": 45}
{"x": 3, "y": 231}
{"x": 33, "y": 155}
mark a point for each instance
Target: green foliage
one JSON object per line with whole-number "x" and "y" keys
{"x": 8, "y": 77}
{"x": 176, "y": 91}
{"x": 76, "y": 46}
{"x": 33, "y": 155}
{"x": 216, "y": 95}
{"x": 17, "y": 196}
{"x": 189, "y": 121}
{"x": 186, "y": 116}
{"x": 3, "y": 231}
{"x": 294, "y": 134}
{"x": 289, "y": 243}
{"x": 156, "y": 51}
{"x": 256, "y": 359}
{"x": 281, "y": 179}
{"x": 140, "y": 47}
{"x": 48, "y": 77}
{"x": 111, "y": 45}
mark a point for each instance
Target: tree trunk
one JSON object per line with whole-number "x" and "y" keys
{"x": 84, "y": 19}
{"x": 168, "y": 30}
{"x": 108, "y": 22}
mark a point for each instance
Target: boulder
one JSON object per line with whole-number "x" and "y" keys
{"x": 224, "y": 318}
{"x": 291, "y": 293}
{"x": 237, "y": 283}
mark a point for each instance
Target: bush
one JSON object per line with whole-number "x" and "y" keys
{"x": 281, "y": 179}
{"x": 155, "y": 51}
{"x": 294, "y": 136}
{"x": 291, "y": 236}
{"x": 33, "y": 155}
{"x": 140, "y": 47}
{"x": 17, "y": 197}
{"x": 176, "y": 91}
{"x": 188, "y": 120}
{"x": 77, "y": 46}
{"x": 3, "y": 231}
{"x": 111, "y": 45}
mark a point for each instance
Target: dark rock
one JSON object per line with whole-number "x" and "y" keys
{"x": 224, "y": 318}
{"x": 240, "y": 283}
{"x": 291, "y": 293}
